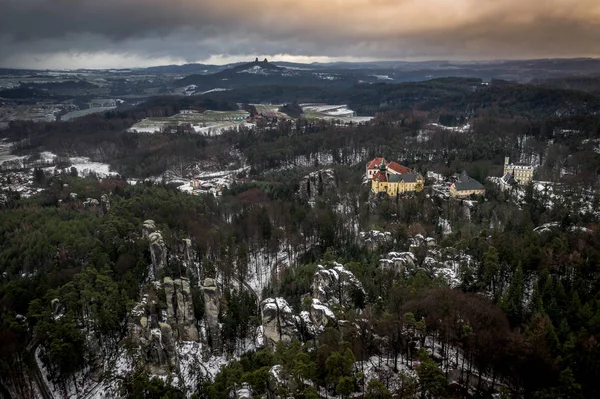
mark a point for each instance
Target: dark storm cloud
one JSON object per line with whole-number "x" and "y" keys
{"x": 189, "y": 30}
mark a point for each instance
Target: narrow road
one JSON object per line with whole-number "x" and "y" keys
{"x": 38, "y": 378}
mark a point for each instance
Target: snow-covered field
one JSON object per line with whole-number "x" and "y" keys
{"x": 207, "y": 123}
{"x": 329, "y": 111}
{"x": 85, "y": 167}
{"x": 459, "y": 129}
{"x": 382, "y": 77}
{"x": 214, "y": 180}
{"x": 84, "y": 112}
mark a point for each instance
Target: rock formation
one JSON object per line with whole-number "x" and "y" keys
{"x": 160, "y": 354}
{"x": 105, "y": 203}
{"x": 188, "y": 257}
{"x": 279, "y": 323}
{"x": 158, "y": 252}
{"x": 180, "y": 309}
{"x": 317, "y": 184}
{"x": 91, "y": 204}
{"x": 336, "y": 285}
{"x": 58, "y": 310}
{"x": 320, "y": 315}
{"x": 212, "y": 301}
{"x": 398, "y": 261}
{"x": 153, "y": 339}
{"x": 148, "y": 227}
{"x": 314, "y": 321}
{"x": 373, "y": 239}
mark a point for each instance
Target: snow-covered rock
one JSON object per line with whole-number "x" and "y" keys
{"x": 278, "y": 321}
{"x": 444, "y": 225}
{"x": 336, "y": 285}
{"x": 320, "y": 315}
{"x": 398, "y": 261}
{"x": 91, "y": 203}
{"x": 546, "y": 227}
{"x": 148, "y": 227}
{"x": 374, "y": 238}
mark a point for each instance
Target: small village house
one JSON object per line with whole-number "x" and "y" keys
{"x": 466, "y": 186}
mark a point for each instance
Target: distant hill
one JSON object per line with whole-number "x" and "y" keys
{"x": 265, "y": 73}
{"x": 581, "y": 83}
{"x": 65, "y": 85}
{"x": 185, "y": 69}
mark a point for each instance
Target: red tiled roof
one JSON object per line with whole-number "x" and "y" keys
{"x": 396, "y": 167}
{"x": 374, "y": 164}
{"x": 382, "y": 177}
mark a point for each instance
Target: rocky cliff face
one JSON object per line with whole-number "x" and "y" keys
{"x": 279, "y": 322}
{"x": 317, "y": 318}
{"x": 152, "y": 339}
{"x": 212, "y": 301}
{"x": 148, "y": 227}
{"x": 398, "y": 262}
{"x": 180, "y": 309}
{"x": 336, "y": 285}
{"x": 158, "y": 252}
{"x": 331, "y": 286}
{"x": 154, "y": 331}
{"x": 317, "y": 184}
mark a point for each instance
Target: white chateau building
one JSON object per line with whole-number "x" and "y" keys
{"x": 522, "y": 173}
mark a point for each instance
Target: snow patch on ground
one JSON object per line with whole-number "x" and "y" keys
{"x": 216, "y": 89}
{"x": 459, "y": 129}
{"x": 382, "y": 77}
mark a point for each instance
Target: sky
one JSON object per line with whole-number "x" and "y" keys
{"x": 70, "y": 34}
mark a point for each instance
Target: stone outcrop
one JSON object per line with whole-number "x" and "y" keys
{"x": 180, "y": 309}
{"x": 279, "y": 322}
{"x": 91, "y": 204}
{"x": 212, "y": 301}
{"x": 160, "y": 354}
{"x": 316, "y": 318}
{"x": 320, "y": 315}
{"x": 153, "y": 338}
{"x": 158, "y": 252}
{"x": 154, "y": 330}
{"x": 188, "y": 257}
{"x": 373, "y": 239}
{"x": 148, "y": 227}
{"x": 336, "y": 285}
{"x": 105, "y": 203}
{"x": 58, "y": 310}
{"x": 398, "y": 262}
{"x": 317, "y": 184}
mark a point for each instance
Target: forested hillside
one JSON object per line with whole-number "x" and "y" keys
{"x": 292, "y": 278}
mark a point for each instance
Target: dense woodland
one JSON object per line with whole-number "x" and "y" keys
{"x": 524, "y": 320}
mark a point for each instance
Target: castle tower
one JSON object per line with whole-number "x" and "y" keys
{"x": 506, "y": 160}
